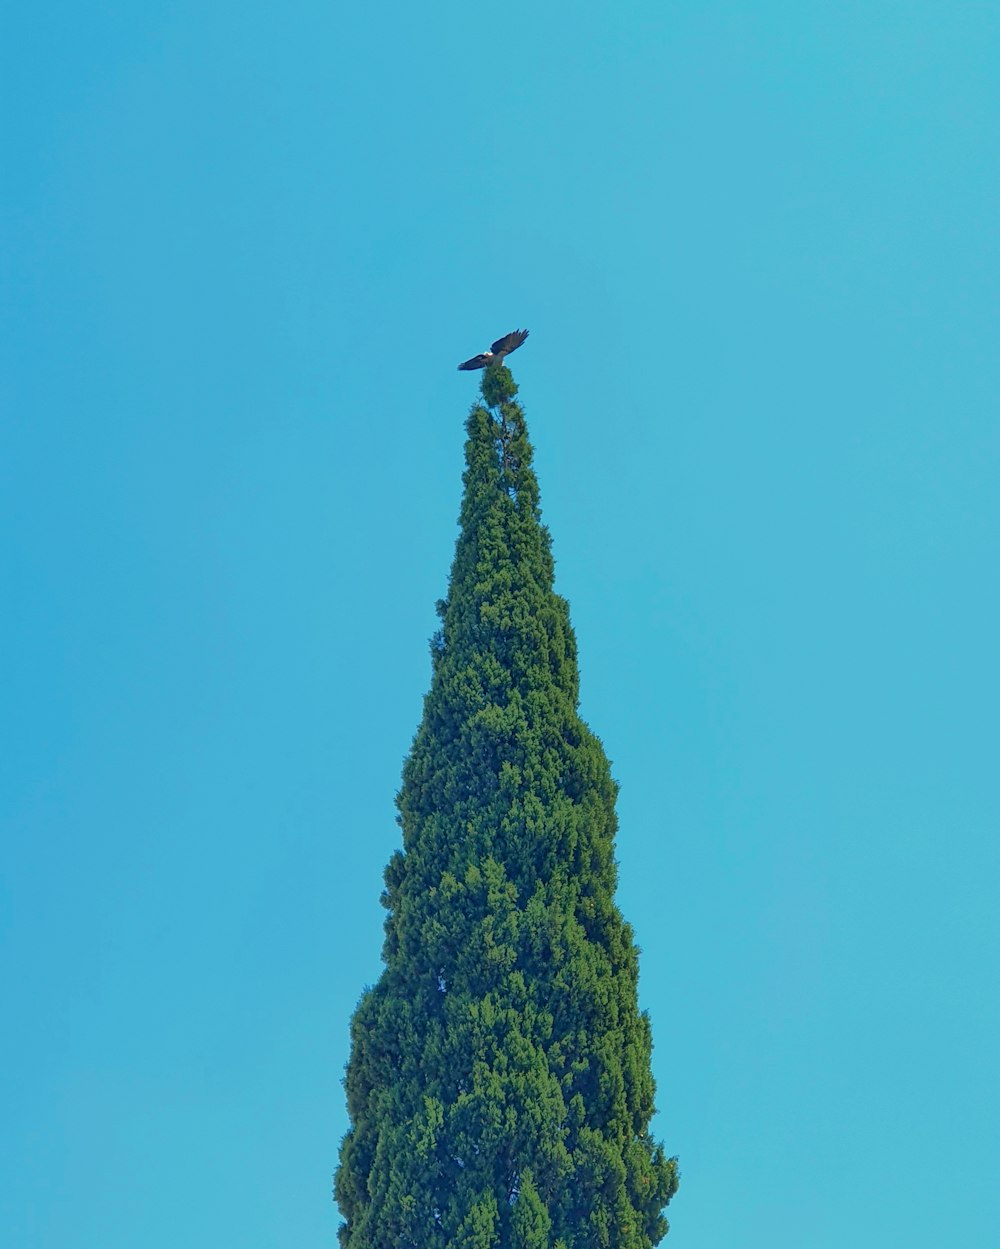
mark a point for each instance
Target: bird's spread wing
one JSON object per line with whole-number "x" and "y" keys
{"x": 502, "y": 347}
{"x": 510, "y": 342}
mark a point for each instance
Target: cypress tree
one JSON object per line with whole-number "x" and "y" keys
{"x": 499, "y": 1085}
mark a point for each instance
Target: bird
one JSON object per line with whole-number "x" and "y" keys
{"x": 502, "y": 347}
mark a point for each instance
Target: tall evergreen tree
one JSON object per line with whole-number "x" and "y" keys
{"x": 499, "y": 1085}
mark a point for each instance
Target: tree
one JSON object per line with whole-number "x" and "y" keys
{"x": 499, "y": 1085}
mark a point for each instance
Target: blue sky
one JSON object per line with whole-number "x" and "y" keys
{"x": 243, "y": 251}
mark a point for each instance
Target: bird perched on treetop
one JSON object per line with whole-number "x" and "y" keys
{"x": 502, "y": 347}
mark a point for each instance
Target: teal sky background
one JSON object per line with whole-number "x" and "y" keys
{"x": 244, "y": 247}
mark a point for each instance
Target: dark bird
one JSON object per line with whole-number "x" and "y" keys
{"x": 502, "y": 347}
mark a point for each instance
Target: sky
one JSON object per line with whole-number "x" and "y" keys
{"x": 242, "y": 249}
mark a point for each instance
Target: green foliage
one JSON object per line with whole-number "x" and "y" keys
{"x": 499, "y": 1086}
{"x": 498, "y": 385}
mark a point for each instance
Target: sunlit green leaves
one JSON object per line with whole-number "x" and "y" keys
{"x": 499, "y": 1086}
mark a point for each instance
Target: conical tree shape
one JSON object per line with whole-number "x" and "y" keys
{"x": 499, "y": 1086}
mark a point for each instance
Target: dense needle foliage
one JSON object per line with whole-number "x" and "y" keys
{"x": 499, "y": 1086}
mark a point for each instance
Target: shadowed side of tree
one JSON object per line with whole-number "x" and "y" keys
{"x": 499, "y": 1086}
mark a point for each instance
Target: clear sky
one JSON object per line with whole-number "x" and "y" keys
{"x": 243, "y": 248}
